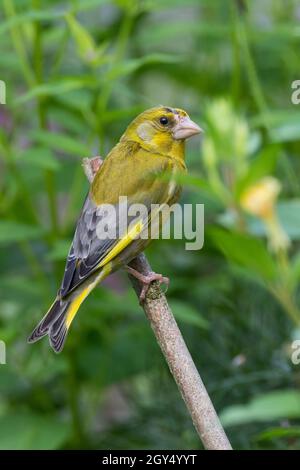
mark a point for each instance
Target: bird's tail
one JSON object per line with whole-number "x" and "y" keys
{"x": 59, "y": 317}
{"x": 53, "y": 324}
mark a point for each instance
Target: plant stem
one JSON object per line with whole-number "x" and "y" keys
{"x": 288, "y": 303}
{"x": 23, "y": 189}
{"x": 18, "y": 42}
{"x": 36, "y": 268}
{"x": 236, "y": 57}
{"x": 79, "y": 435}
{"x": 103, "y": 97}
{"x": 41, "y": 106}
{"x": 249, "y": 63}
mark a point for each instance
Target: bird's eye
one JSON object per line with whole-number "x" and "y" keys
{"x": 164, "y": 120}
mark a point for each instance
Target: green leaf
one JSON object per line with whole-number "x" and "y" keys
{"x": 286, "y": 133}
{"x": 284, "y": 126}
{"x": 113, "y": 115}
{"x": 263, "y": 165}
{"x": 85, "y": 43}
{"x": 20, "y": 286}
{"x": 39, "y": 157}
{"x": 60, "y": 142}
{"x": 295, "y": 269}
{"x": 281, "y": 404}
{"x": 131, "y": 350}
{"x": 276, "y": 118}
{"x": 82, "y": 5}
{"x": 86, "y": 47}
{"x": 45, "y": 15}
{"x": 24, "y": 430}
{"x": 245, "y": 251}
{"x": 130, "y": 66}
{"x": 62, "y": 86}
{"x": 289, "y": 216}
{"x": 11, "y": 231}
{"x": 11, "y": 383}
{"x": 171, "y": 30}
{"x": 273, "y": 433}
{"x": 190, "y": 180}
{"x": 60, "y": 250}
{"x": 29, "y": 16}
{"x": 188, "y": 314}
{"x": 68, "y": 120}
{"x": 80, "y": 99}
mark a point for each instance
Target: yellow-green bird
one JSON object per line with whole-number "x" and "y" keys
{"x": 153, "y": 144}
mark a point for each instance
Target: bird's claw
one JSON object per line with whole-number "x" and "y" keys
{"x": 152, "y": 277}
{"x": 146, "y": 280}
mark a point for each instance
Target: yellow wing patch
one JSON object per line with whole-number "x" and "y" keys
{"x": 75, "y": 305}
{"x": 123, "y": 243}
{"x": 105, "y": 263}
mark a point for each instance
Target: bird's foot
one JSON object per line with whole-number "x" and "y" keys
{"x": 146, "y": 280}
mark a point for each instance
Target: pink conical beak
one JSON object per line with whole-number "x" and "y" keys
{"x": 185, "y": 128}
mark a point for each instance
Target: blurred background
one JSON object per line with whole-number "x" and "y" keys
{"x": 76, "y": 73}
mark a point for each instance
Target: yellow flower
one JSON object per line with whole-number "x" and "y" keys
{"x": 260, "y": 200}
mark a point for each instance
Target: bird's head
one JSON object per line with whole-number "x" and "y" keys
{"x": 162, "y": 129}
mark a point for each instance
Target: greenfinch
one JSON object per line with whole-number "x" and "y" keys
{"x": 153, "y": 144}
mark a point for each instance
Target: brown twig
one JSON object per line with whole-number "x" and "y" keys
{"x": 176, "y": 353}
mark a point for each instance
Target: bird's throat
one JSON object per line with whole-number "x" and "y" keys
{"x": 164, "y": 145}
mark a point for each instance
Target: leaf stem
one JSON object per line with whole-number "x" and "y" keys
{"x": 18, "y": 42}
{"x": 41, "y": 107}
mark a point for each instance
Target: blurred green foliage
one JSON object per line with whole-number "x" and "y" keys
{"x": 76, "y": 73}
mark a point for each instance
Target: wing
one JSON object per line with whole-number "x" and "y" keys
{"x": 91, "y": 248}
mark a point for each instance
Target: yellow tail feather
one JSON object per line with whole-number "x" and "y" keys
{"x": 77, "y": 301}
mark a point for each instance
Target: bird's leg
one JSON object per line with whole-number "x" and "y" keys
{"x": 146, "y": 280}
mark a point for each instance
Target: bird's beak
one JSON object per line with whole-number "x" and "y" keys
{"x": 185, "y": 128}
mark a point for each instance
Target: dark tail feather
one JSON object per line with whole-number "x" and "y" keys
{"x": 59, "y": 317}
{"x": 52, "y": 324}
{"x": 58, "y": 331}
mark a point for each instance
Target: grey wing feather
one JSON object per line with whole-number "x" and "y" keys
{"x": 87, "y": 248}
